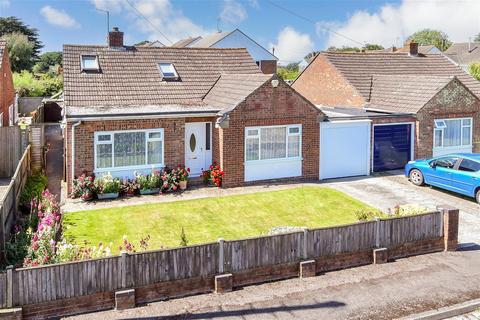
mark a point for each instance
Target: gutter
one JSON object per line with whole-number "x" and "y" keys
{"x": 73, "y": 147}
{"x": 140, "y": 116}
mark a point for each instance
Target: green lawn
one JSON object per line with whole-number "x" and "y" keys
{"x": 205, "y": 220}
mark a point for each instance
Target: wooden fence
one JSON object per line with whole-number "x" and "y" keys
{"x": 10, "y": 150}
{"x": 10, "y": 200}
{"x": 36, "y": 285}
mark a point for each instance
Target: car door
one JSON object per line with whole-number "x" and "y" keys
{"x": 443, "y": 169}
{"x": 465, "y": 178}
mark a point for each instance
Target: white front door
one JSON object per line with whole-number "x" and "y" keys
{"x": 196, "y": 147}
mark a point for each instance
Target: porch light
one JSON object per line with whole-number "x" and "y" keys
{"x": 275, "y": 83}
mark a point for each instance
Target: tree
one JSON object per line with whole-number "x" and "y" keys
{"x": 344, "y": 49}
{"x": 474, "y": 70}
{"x": 427, "y": 37}
{"x": 289, "y": 72}
{"x": 14, "y": 25}
{"x": 48, "y": 62}
{"x": 29, "y": 85}
{"x": 372, "y": 46}
{"x": 20, "y": 51}
{"x": 477, "y": 38}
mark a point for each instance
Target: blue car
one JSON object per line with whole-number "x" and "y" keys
{"x": 459, "y": 173}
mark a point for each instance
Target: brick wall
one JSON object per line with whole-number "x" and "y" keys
{"x": 454, "y": 101}
{"x": 322, "y": 83}
{"x": 268, "y": 106}
{"x": 268, "y": 66}
{"x": 7, "y": 91}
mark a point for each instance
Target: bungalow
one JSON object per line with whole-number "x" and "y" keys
{"x": 385, "y": 109}
{"x": 136, "y": 108}
{"x": 7, "y": 91}
{"x": 464, "y": 53}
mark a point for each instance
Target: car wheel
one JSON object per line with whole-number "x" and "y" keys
{"x": 416, "y": 177}
{"x": 477, "y": 196}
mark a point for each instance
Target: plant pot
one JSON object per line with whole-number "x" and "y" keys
{"x": 150, "y": 191}
{"x": 104, "y": 196}
{"x": 183, "y": 184}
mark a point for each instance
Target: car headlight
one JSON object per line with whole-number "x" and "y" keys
{"x": 410, "y": 162}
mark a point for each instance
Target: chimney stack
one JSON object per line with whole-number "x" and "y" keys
{"x": 115, "y": 38}
{"x": 413, "y": 48}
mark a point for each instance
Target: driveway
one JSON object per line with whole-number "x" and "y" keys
{"x": 386, "y": 190}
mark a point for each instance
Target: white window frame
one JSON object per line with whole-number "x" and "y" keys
{"x": 258, "y": 136}
{"x": 444, "y": 126}
{"x": 11, "y": 118}
{"x": 82, "y": 66}
{"x": 1, "y": 119}
{"x": 175, "y": 77}
{"x": 112, "y": 142}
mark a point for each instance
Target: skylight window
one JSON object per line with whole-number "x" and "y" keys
{"x": 90, "y": 62}
{"x": 168, "y": 70}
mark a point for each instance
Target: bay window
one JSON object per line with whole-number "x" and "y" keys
{"x": 450, "y": 133}
{"x": 273, "y": 142}
{"x": 128, "y": 149}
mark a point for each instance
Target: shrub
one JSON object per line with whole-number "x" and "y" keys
{"x": 42, "y": 247}
{"x": 214, "y": 175}
{"x": 183, "y": 239}
{"x": 34, "y": 187}
{"x": 84, "y": 187}
{"x": 129, "y": 187}
{"x": 107, "y": 184}
{"x": 17, "y": 248}
{"x": 406, "y": 210}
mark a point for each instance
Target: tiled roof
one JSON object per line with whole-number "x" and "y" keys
{"x": 130, "y": 77}
{"x": 358, "y": 68}
{"x": 404, "y": 93}
{"x": 3, "y": 44}
{"x": 406, "y": 49}
{"x": 210, "y": 40}
{"x": 459, "y": 52}
{"x": 185, "y": 42}
{"x": 231, "y": 89}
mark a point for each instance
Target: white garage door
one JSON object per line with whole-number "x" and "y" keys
{"x": 344, "y": 149}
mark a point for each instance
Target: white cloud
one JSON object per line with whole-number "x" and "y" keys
{"x": 4, "y": 3}
{"x": 392, "y": 24}
{"x": 292, "y": 46}
{"x": 233, "y": 12}
{"x": 58, "y": 17}
{"x": 166, "y": 19}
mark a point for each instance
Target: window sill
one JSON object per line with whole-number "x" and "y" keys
{"x": 253, "y": 162}
{"x": 130, "y": 168}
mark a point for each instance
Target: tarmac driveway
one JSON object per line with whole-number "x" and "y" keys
{"x": 384, "y": 191}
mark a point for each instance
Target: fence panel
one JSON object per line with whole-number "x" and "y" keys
{"x": 263, "y": 251}
{"x": 402, "y": 230}
{"x": 174, "y": 264}
{"x": 62, "y": 281}
{"x": 341, "y": 239}
{"x": 3, "y": 290}
{"x": 10, "y": 149}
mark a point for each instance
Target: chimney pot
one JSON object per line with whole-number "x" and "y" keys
{"x": 115, "y": 38}
{"x": 413, "y": 48}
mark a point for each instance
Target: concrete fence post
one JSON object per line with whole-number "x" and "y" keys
{"x": 221, "y": 255}
{"x": 10, "y": 271}
{"x": 377, "y": 232}
{"x": 305, "y": 244}
{"x": 124, "y": 258}
{"x": 450, "y": 226}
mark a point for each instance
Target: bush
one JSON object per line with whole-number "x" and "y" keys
{"x": 214, "y": 175}
{"x": 84, "y": 187}
{"x": 148, "y": 181}
{"x": 183, "y": 239}
{"x": 33, "y": 189}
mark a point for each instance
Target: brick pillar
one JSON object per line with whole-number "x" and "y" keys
{"x": 450, "y": 226}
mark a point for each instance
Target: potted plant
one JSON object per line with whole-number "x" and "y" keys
{"x": 84, "y": 187}
{"x": 128, "y": 187}
{"x": 182, "y": 174}
{"x": 214, "y": 175}
{"x": 148, "y": 184}
{"x": 107, "y": 187}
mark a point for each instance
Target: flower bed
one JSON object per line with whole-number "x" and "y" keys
{"x": 88, "y": 187}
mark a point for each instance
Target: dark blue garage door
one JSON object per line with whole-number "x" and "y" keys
{"x": 391, "y": 146}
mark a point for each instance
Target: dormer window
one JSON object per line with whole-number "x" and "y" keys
{"x": 168, "y": 71}
{"x": 89, "y": 63}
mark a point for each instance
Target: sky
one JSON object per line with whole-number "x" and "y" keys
{"x": 293, "y": 27}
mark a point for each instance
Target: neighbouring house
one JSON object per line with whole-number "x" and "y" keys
{"x": 134, "y": 109}
{"x": 464, "y": 53}
{"x": 385, "y": 109}
{"x": 265, "y": 60}
{"x": 7, "y": 91}
{"x": 427, "y": 49}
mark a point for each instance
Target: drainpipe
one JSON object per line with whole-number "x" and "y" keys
{"x": 73, "y": 147}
